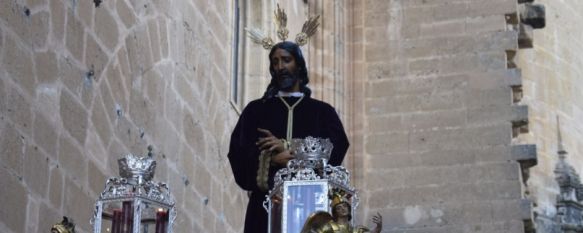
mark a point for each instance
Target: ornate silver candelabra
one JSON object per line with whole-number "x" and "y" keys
{"x": 133, "y": 203}
{"x": 306, "y": 185}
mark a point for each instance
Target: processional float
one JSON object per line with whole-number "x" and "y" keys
{"x": 308, "y": 185}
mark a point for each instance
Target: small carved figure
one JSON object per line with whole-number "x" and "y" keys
{"x": 65, "y": 226}
{"x": 339, "y": 221}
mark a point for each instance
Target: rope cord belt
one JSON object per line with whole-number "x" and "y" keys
{"x": 290, "y": 116}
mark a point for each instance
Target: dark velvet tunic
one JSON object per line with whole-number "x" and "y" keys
{"x": 311, "y": 118}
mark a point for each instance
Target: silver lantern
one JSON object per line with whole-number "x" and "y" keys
{"x": 133, "y": 203}
{"x": 306, "y": 186}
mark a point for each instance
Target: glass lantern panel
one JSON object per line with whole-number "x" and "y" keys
{"x": 154, "y": 218}
{"x": 302, "y": 198}
{"x": 118, "y": 217}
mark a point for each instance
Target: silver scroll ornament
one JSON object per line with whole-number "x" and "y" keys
{"x": 311, "y": 164}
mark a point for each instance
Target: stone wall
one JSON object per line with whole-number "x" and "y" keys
{"x": 440, "y": 152}
{"x": 430, "y": 91}
{"x": 553, "y": 77}
{"x": 81, "y": 85}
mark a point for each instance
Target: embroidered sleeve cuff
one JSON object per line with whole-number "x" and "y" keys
{"x": 263, "y": 171}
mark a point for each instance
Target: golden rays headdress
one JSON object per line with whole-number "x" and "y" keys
{"x": 309, "y": 29}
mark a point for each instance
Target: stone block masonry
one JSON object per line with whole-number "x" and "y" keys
{"x": 552, "y": 81}
{"x": 82, "y": 85}
{"x": 439, "y": 111}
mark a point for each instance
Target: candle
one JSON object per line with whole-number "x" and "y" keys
{"x": 116, "y": 221}
{"x": 165, "y": 221}
{"x": 127, "y": 217}
{"x": 161, "y": 218}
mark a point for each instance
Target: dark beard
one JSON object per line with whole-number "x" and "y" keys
{"x": 285, "y": 80}
{"x": 287, "y": 83}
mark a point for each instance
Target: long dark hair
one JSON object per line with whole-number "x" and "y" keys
{"x": 296, "y": 52}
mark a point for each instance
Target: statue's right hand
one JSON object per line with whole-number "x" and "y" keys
{"x": 378, "y": 220}
{"x": 270, "y": 142}
{"x": 282, "y": 158}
